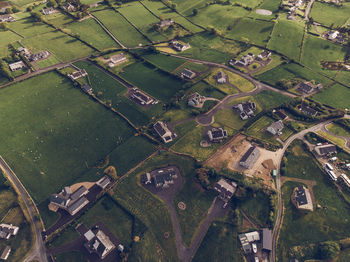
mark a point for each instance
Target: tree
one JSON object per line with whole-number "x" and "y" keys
{"x": 4, "y": 26}
{"x": 195, "y": 11}
{"x": 328, "y": 249}
{"x": 5, "y": 71}
{"x": 9, "y": 10}
{"x": 37, "y": 16}
{"x": 173, "y": 6}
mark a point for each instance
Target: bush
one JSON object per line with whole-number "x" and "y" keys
{"x": 328, "y": 249}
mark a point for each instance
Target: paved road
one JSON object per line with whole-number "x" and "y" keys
{"x": 307, "y": 10}
{"x": 39, "y": 251}
{"x": 281, "y": 153}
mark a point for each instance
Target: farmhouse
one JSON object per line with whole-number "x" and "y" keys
{"x": 267, "y": 239}
{"x": 345, "y": 180}
{"x": 70, "y": 201}
{"x": 161, "y": 178}
{"x": 301, "y": 198}
{"x": 16, "y": 66}
{"x": 264, "y": 55}
{"x": 221, "y": 78}
{"x": 166, "y": 23}
{"x": 188, "y": 74}
{"x": 164, "y": 132}
{"x": 306, "y": 87}
{"x": 6, "y": 231}
{"x": 117, "y": 59}
{"x": 216, "y": 135}
{"x": 275, "y": 128}
{"x": 3, "y": 6}
{"x": 249, "y": 158}
{"x": 7, "y": 18}
{"x": 244, "y": 61}
{"x": 195, "y": 100}
{"x": 308, "y": 110}
{"x": 226, "y": 189}
{"x": 96, "y": 241}
{"x": 78, "y": 74}
{"x": 245, "y": 110}
{"x": 48, "y": 11}
{"x": 141, "y": 97}
{"x": 68, "y": 7}
{"x": 326, "y": 150}
{"x": 104, "y": 182}
{"x": 179, "y": 47}
{"x": 87, "y": 89}
{"x": 5, "y": 254}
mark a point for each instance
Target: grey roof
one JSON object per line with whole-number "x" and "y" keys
{"x": 5, "y": 253}
{"x": 87, "y": 88}
{"x": 187, "y": 73}
{"x": 306, "y": 87}
{"x": 159, "y": 128}
{"x": 104, "y": 181}
{"x": 326, "y": 149}
{"x": 78, "y": 193}
{"x": 57, "y": 199}
{"x": 308, "y": 110}
{"x": 267, "y": 239}
{"x": 300, "y": 195}
{"x": 247, "y": 154}
{"x": 77, "y": 205}
{"x": 277, "y": 126}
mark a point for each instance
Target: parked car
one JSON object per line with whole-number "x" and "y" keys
{"x": 255, "y": 249}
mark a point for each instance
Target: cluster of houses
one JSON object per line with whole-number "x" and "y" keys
{"x": 164, "y": 132}
{"x": 308, "y": 87}
{"x": 293, "y": 6}
{"x": 7, "y": 18}
{"x": 301, "y": 198}
{"x": 245, "y": 109}
{"x": 225, "y": 189}
{"x": 6, "y": 232}
{"x": 249, "y": 58}
{"x": 141, "y": 97}
{"x": 179, "y": 47}
{"x": 33, "y": 57}
{"x": 116, "y": 60}
{"x": 251, "y": 241}
{"x": 335, "y": 36}
{"x": 161, "y": 178}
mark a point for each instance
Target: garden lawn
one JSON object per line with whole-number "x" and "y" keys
{"x": 154, "y": 82}
{"x": 62, "y": 46}
{"x": 287, "y": 38}
{"x": 51, "y": 60}
{"x": 258, "y": 130}
{"x": 45, "y": 138}
{"x": 91, "y": 32}
{"x": 337, "y": 130}
{"x": 251, "y": 30}
{"x": 337, "y": 96}
{"x": 330, "y": 14}
{"x": 120, "y": 28}
{"x": 220, "y": 244}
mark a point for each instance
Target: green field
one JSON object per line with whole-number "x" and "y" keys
{"x": 316, "y": 226}
{"x": 220, "y": 244}
{"x": 337, "y": 96}
{"x": 157, "y": 83}
{"x": 287, "y": 38}
{"x": 166, "y": 63}
{"x": 330, "y": 14}
{"x": 258, "y": 130}
{"x": 251, "y": 30}
{"x": 59, "y": 19}
{"x": 51, "y": 60}
{"x": 337, "y": 130}
{"x": 91, "y": 32}
{"x": 28, "y": 28}
{"x": 49, "y": 141}
{"x": 64, "y": 47}
{"x": 186, "y": 6}
{"x": 269, "y": 99}
{"x": 75, "y": 256}
{"x": 7, "y": 37}
{"x": 207, "y": 90}
{"x": 120, "y": 28}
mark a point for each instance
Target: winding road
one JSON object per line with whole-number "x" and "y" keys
{"x": 39, "y": 251}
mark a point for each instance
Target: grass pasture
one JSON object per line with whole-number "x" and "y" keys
{"x": 337, "y": 96}
{"x": 49, "y": 140}
{"x": 120, "y": 28}
{"x": 91, "y": 32}
{"x": 330, "y": 14}
{"x": 28, "y": 28}
{"x": 166, "y": 63}
{"x": 51, "y": 60}
{"x": 153, "y": 81}
{"x": 7, "y": 37}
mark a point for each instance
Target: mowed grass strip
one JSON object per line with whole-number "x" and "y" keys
{"x": 64, "y": 47}
{"x": 53, "y": 133}
{"x": 330, "y": 14}
{"x": 120, "y": 28}
{"x": 153, "y": 81}
{"x": 287, "y": 38}
{"x": 91, "y": 32}
{"x": 337, "y": 96}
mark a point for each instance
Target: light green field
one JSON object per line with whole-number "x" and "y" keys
{"x": 120, "y": 28}
{"x": 91, "y": 32}
{"x": 336, "y": 96}
{"x": 59, "y": 19}
{"x": 64, "y": 47}
{"x": 330, "y": 14}
{"x": 186, "y": 6}
{"x": 51, "y": 60}
{"x": 7, "y": 37}
{"x": 287, "y": 38}
{"x": 249, "y": 3}
{"x": 336, "y": 140}
{"x": 28, "y": 28}
{"x": 337, "y": 130}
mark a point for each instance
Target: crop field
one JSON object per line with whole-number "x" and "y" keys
{"x": 316, "y": 50}
{"x": 152, "y": 81}
{"x": 28, "y": 28}
{"x": 289, "y": 43}
{"x": 53, "y": 143}
{"x": 330, "y": 14}
{"x": 142, "y": 19}
{"x": 208, "y": 16}
{"x": 291, "y": 71}
{"x": 220, "y": 244}
{"x": 316, "y": 226}
{"x": 337, "y": 96}
{"x": 91, "y": 32}
{"x": 120, "y": 28}
{"x": 254, "y": 31}
{"x": 64, "y": 47}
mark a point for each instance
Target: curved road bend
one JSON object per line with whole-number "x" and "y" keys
{"x": 281, "y": 153}
{"x": 39, "y": 251}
